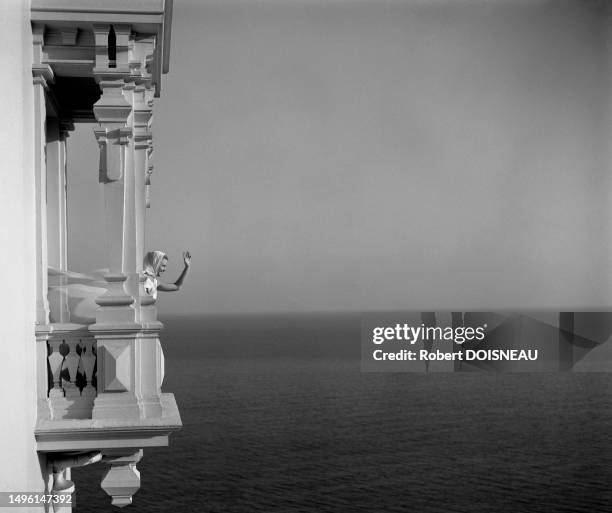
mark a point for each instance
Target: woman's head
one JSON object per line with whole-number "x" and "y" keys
{"x": 162, "y": 265}
{"x": 155, "y": 262}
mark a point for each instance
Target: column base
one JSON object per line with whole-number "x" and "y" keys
{"x": 130, "y": 371}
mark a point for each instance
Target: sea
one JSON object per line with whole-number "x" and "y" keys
{"x": 279, "y": 418}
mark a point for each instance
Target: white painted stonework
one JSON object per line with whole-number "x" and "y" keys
{"x": 79, "y": 389}
{"x": 17, "y": 254}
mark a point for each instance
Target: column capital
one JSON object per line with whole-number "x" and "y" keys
{"x": 112, "y": 109}
{"x": 38, "y": 42}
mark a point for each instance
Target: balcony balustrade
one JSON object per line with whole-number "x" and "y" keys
{"x": 71, "y": 372}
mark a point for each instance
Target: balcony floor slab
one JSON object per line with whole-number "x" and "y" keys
{"x": 96, "y": 434}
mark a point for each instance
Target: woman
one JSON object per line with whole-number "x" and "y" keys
{"x": 155, "y": 263}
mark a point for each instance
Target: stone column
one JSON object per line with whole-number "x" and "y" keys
{"x": 148, "y": 346}
{"x": 112, "y": 112}
{"x": 42, "y": 76}
{"x": 57, "y": 230}
{"x": 129, "y": 378}
{"x": 140, "y": 54}
{"x": 57, "y": 132}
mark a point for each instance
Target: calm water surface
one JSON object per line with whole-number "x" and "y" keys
{"x": 314, "y": 434}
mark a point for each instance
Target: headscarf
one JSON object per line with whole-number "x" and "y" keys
{"x": 150, "y": 264}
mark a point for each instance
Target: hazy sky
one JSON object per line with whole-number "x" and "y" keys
{"x": 352, "y": 155}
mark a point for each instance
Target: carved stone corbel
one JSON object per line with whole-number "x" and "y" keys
{"x": 122, "y": 480}
{"x": 60, "y": 466}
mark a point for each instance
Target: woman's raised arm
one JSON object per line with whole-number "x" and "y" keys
{"x": 173, "y": 287}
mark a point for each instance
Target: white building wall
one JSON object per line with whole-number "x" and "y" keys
{"x": 20, "y": 470}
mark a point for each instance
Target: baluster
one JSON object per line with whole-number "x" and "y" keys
{"x": 88, "y": 363}
{"x": 71, "y": 362}
{"x": 55, "y": 363}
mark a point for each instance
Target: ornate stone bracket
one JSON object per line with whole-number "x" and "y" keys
{"x": 122, "y": 480}
{"x": 59, "y": 467}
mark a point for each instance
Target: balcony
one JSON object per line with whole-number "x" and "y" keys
{"x": 99, "y": 376}
{"x": 69, "y": 419}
